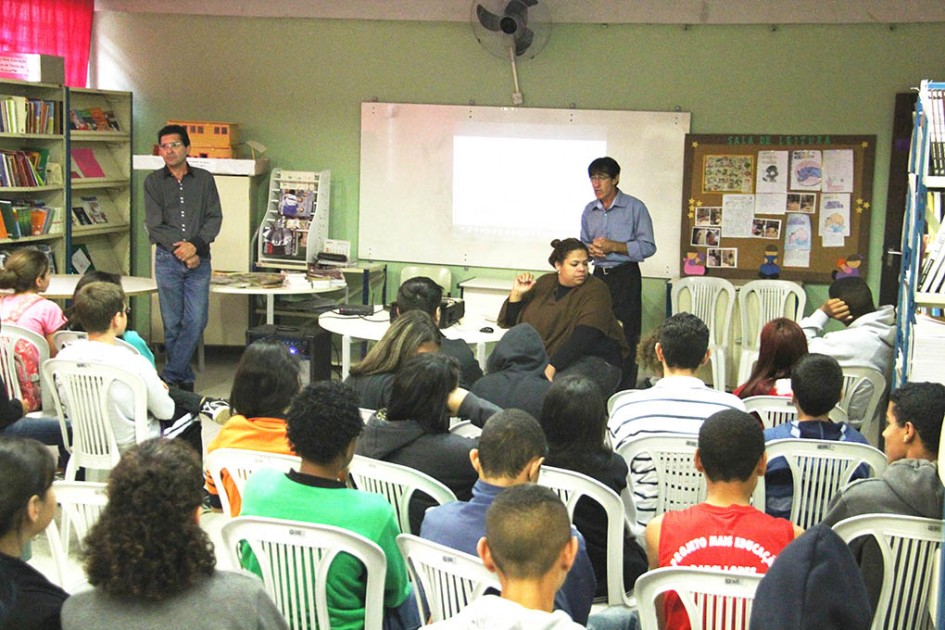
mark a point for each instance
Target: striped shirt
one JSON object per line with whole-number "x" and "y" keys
{"x": 675, "y": 405}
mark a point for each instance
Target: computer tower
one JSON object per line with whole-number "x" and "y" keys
{"x": 311, "y": 343}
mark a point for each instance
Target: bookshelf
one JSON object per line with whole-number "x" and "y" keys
{"x": 32, "y": 145}
{"x": 926, "y": 174}
{"x": 99, "y": 175}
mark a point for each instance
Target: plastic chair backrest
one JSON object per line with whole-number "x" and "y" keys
{"x": 295, "y": 557}
{"x": 679, "y": 484}
{"x": 617, "y": 397}
{"x": 62, "y": 338}
{"x": 448, "y": 579}
{"x": 773, "y": 410}
{"x": 863, "y": 390}
{"x": 82, "y": 503}
{"x": 711, "y": 300}
{"x": 909, "y": 546}
{"x": 397, "y": 484}
{"x": 440, "y": 275}
{"x": 715, "y": 599}
{"x": 240, "y": 464}
{"x": 572, "y": 486}
{"x": 10, "y": 334}
{"x": 760, "y": 301}
{"x": 366, "y": 413}
{"x": 465, "y": 428}
{"x": 81, "y": 394}
{"x": 819, "y": 468}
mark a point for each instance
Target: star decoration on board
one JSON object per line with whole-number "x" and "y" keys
{"x": 864, "y": 144}
{"x": 695, "y": 144}
{"x": 862, "y": 205}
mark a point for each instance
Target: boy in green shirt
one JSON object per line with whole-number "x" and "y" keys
{"x": 323, "y": 424}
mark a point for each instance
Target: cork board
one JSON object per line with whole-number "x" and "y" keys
{"x": 794, "y": 207}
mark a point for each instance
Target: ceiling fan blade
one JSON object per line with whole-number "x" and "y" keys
{"x": 523, "y": 40}
{"x": 489, "y": 20}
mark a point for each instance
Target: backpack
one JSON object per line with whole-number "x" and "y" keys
{"x": 26, "y": 360}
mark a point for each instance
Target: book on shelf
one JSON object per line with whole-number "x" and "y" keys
{"x": 19, "y": 168}
{"x": 85, "y": 164}
{"x": 93, "y": 119}
{"x": 932, "y": 272}
{"x": 81, "y": 259}
{"x": 94, "y": 210}
{"x": 936, "y": 133}
{"x": 80, "y": 216}
{"x": 297, "y": 203}
{"x": 19, "y": 114}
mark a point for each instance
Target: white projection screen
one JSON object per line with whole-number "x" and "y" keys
{"x": 491, "y": 186}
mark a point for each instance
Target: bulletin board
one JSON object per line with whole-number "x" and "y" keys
{"x": 793, "y": 207}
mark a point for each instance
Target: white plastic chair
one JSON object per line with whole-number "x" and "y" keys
{"x": 366, "y": 413}
{"x": 239, "y": 465}
{"x": 617, "y": 397}
{"x": 863, "y": 391}
{"x": 819, "y": 468}
{"x": 773, "y": 410}
{"x": 397, "y": 484}
{"x": 909, "y": 546}
{"x": 679, "y": 484}
{"x": 449, "y": 579}
{"x": 82, "y": 503}
{"x": 81, "y": 395}
{"x": 711, "y": 300}
{"x": 440, "y": 275}
{"x": 722, "y": 598}
{"x": 10, "y": 334}
{"x": 465, "y": 428}
{"x": 572, "y": 486}
{"x": 760, "y": 301}
{"x": 62, "y": 338}
{"x": 294, "y": 558}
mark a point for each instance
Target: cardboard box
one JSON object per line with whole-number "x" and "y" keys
{"x": 33, "y": 67}
{"x": 212, "y": 152}
{"x": 210, "y": 134}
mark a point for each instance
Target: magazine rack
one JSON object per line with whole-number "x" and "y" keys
{"x": 295, "y": 225}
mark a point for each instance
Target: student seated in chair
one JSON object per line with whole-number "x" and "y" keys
{"x": 102, "y": 309}
{"x": 423, "y": 294}
{"x": 323, "y": 427}
{"x": 910, "y": 486}
{"x": 529, "y": 546}
{"x": 817, "y": 382}
{"x": 511, "y": 450}
{"x": 731, "y": 456}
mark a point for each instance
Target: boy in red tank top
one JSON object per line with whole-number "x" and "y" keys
{"x": 725, "y": 532}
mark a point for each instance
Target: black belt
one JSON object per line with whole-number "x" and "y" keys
{"x": 606, "y": 271}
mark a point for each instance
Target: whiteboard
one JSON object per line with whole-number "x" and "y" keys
{"x": 407, "y": 181}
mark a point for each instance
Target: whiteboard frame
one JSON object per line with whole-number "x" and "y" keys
{"x": 406, "y": 181}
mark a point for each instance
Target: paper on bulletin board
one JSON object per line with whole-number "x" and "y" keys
{"x": 806, "y": 169}
{"x": 737, "y": 214}
{"x": 772, "y": 203}
{"x": 838, "y": 171}
{"x": 772, "y": 176}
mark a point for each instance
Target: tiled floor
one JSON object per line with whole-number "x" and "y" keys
{"x": 215, "y": 380}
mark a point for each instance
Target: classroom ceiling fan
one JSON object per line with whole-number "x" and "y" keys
{"x": 511, "y": 29}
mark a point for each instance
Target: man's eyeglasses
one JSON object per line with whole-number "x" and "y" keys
{"x": 600, "y": 178}
{"x": 171, "y": 145}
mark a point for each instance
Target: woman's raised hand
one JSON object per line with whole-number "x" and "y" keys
{"x": 522, "y": 285}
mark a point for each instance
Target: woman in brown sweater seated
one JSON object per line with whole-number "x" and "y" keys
{"x": 571, "y": 310}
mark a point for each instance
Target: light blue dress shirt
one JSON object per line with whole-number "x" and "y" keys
{"x": 627, "y": 221}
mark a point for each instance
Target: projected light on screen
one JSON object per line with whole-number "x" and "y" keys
{"x": 508, "y": 186}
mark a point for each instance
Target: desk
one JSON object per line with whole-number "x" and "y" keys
{"x": 270, "y": 293}
{"x": 62, "y": 286}
{"x": 373, "y": 327}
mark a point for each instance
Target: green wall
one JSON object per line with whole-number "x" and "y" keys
{"x": 296, "y": 86}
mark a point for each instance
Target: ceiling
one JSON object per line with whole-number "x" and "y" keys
{"x": 565, "y": 11}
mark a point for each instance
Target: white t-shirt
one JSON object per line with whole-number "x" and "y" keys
{"x": 160, "y": 404}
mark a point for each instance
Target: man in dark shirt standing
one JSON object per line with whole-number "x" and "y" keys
{"x": 182, "y": 216}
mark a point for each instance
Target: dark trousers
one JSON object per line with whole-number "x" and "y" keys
{"x": 626, "y": 285}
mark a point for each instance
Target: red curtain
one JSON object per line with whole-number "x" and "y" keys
{"x": 50, "y": 27}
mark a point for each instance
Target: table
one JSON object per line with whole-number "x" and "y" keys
{"x": 62, "y": 285}
{"x": 373, "y": 327}
{"x": 270, "y": 293}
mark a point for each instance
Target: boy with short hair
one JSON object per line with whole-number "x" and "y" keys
{"x": 530, "y": 547}
{"x": 817, "y": 383}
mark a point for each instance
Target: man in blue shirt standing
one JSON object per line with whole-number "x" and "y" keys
{"x": 182, "y": 216}
{"x": 618, "y": 232}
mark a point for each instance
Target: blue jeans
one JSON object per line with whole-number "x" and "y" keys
{"x": 43, "y": 429}
{"x": 184, "y": 295}
{"x": 404, "y": 617}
